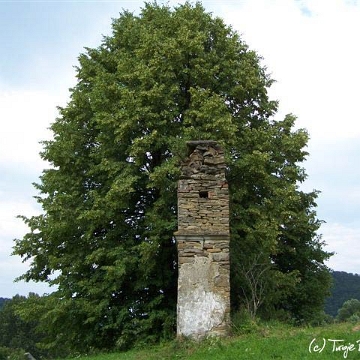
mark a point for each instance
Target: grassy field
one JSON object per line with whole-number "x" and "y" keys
{"x": 337, "y": 341}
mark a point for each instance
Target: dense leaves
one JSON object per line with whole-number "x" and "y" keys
{"x": 18, "y": 335}
{"x": 349, "y": 311}
{"x": 105, "y": 239}
{"x": 2, "y": 301}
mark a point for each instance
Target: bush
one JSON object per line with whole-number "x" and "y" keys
{"x": 350, "y": 309}
{"x": 243, "y": 323}
{"x": 11, "y": 354}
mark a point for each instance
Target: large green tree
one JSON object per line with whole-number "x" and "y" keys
{"x": 105, "y": 238}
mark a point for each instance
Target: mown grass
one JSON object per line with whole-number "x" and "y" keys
{"x": 264, "y": 342}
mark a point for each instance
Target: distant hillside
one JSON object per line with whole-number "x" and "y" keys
{"x": 2, "y": 300}
{"x": 346, "y": 286}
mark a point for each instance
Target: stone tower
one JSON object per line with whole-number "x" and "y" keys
{"x": 203, "y": 307}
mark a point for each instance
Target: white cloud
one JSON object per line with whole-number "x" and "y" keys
{"x": 26, "y": 117}
{"x": 342, "y": 240}
{"x": 313, "y": 58}
{"x": 12, "y": 267}
{"x": 10, "y": 225}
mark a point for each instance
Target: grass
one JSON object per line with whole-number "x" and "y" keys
{"x": 264, "y": 342}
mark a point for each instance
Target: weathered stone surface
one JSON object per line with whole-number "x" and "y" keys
{"x": 193, "y": 251}
{"x": 203, "y": 243}
{"x": 201, "y": 309}
{"x": 221, "y": 256}
{"x": 214, "y": 250}
{"x": 222, "y": 281}
{"x": 185, "y": 259}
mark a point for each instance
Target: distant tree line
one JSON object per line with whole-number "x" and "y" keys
{"x": 21, "y": 330}
{"x": 346, "y": 286}
{"x": 17, "y": 334}
{"x": 2, "y": 301}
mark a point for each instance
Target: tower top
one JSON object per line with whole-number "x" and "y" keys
{"x": 203, "y": 195}
{"x": 205, "y": 157}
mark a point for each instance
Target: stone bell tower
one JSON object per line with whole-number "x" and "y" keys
{"x": 203, "y": 307}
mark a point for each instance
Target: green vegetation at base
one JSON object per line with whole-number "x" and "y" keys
{"x": 250, "y": 339}
{"x": 266, "y": 341}
{"x": 19, "y": 335}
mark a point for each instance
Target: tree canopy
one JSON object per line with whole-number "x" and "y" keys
{"x": 105, "y": 238}
{"x": 350, "y": 310}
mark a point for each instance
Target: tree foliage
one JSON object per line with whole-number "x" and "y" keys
{"x": 2, "y": 301}
{"x": 349, "y": 310}
{"x": 346, "y": 286}
{"x": 19, "y": 335}
{"x": 105, "y": 239}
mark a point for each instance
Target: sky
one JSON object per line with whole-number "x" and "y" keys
{"x": 310, "y": 47}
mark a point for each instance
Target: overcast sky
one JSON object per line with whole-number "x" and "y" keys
{"x": 310, "y": 47}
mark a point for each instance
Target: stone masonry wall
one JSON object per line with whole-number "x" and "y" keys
{"x": 203, "y": 243}
{"x": 203, "y": 197}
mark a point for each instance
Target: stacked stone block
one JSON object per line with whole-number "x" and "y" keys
{"x": 203, "y": 243}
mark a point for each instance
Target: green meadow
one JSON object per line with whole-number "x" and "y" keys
{"x": 265, "y": 342}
